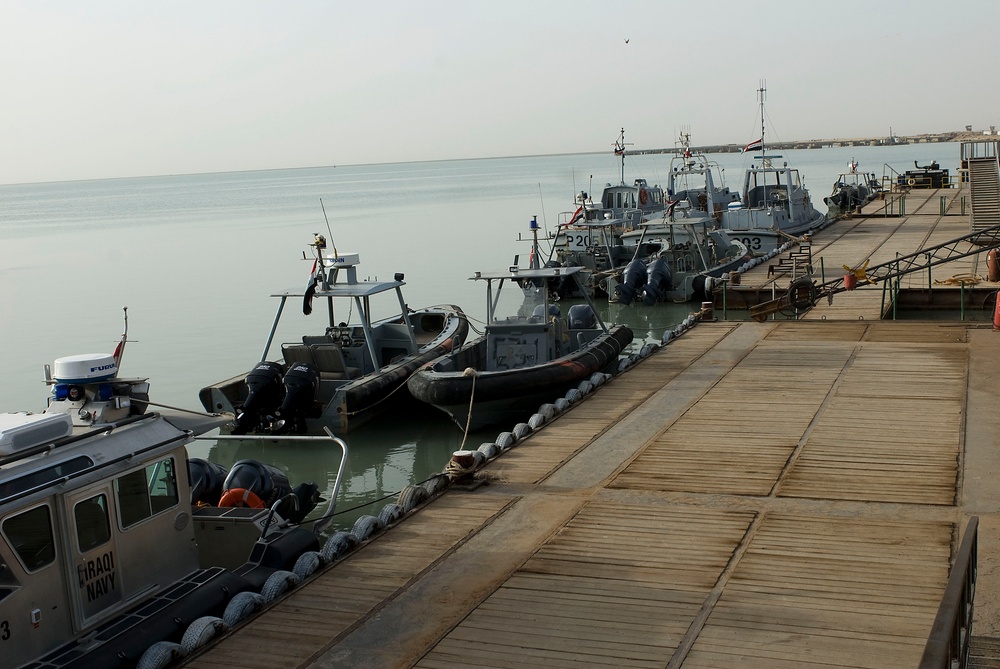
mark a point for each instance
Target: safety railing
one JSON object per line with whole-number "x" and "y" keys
{"x": 951, "y": 634}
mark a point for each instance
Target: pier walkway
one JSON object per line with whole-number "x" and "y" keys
{"x": 778, "y": 495}
{"x": 785, "y": 494}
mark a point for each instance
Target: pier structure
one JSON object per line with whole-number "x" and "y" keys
{"x": 790, "y": 493}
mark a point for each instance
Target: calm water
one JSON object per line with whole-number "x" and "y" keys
{"x": 195, "y": 257}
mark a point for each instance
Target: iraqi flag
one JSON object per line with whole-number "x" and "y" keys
{"x": 577, "y": 215}
{"x": 754, "y": 146}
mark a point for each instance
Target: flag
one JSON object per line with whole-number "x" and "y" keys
{"x": 754, "y": 146}
{"x": 619, "y": 149}
{"x": 577, "y": 215}
{"x": 687, "y": 153}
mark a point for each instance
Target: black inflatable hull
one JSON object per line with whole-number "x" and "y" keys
{"x": 509, "y": 395}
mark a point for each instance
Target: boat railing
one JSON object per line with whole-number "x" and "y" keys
{"x": 951, "y": 634}
{"x": 329, "y": 437}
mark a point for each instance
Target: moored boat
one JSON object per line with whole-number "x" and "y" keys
{"x": 590, "y": 235}
{"x": 774, "y": 204}
{"x": 851, "y": 190}
{"x": 343, "y": 376}
{"x": 116, "y": 549}
{"x": 689, "y": 259}
{"x": 696, "y": 193}
{"x": 524, "y": 360}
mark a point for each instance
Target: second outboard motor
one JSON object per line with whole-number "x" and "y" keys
{"x": 265, "y": 482}
{"x": 634, "y": 280}
{"x": 581, "y": 317}
{"x": 207, "y": 479}
{"x": 657, "y": 282}
{"x": 301, "y": 388}
{"x": 263, "y": 397}
{"x": 538, "y": 313}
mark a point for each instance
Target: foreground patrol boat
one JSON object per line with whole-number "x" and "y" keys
{"x": 116, "y": 550}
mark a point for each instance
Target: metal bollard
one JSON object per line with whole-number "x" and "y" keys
{"x": 944, "y": 205}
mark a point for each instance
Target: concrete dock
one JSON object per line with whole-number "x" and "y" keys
{"x": 780, "y": 494}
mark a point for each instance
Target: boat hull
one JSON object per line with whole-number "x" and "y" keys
{"x": 344, "y": 405}
{"x": 512, "y": 394}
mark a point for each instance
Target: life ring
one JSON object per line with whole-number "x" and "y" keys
{"x": 643, "y": 196}
{"x": 241, "y": 497}
{"x": 910, "y": 182}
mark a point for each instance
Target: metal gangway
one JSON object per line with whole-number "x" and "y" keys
{"x": 803, "y": 293}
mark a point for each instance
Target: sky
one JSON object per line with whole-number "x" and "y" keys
{"x": 114, "y": 89}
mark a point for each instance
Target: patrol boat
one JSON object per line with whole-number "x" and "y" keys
{"x": 115, "y": 549}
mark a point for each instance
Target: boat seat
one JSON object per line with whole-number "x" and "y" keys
{"x": 330, "y": 361}
{"x": 296, "y": 353}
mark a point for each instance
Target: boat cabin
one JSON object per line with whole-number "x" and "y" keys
{"x": 90, "y": 524}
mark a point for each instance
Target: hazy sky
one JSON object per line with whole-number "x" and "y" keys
{"x": 105, "y": 89}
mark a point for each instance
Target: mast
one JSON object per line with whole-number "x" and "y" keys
{"x": 620, "y": 151}
{"x": 760, "y": 93}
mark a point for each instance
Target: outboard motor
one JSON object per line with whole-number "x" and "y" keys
{"x": 268, "y": 483}
{"x": 207, "y": 479}
{"x": 263, "y": 397}
{"x": 657, "y": 282}
{"x": 538, "y": 313}
{"x": 581, "y": 317}
{"x": 634, "y": 279}
{"x": 301, "y": 389}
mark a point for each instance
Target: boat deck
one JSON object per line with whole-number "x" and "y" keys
{"x": 778, "y": 494}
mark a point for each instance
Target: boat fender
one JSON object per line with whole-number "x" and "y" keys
{"x": 646, "y": 351}
{"x": 489, "y": 450}
{"x": 241, "y": 497}
{"x": 572, "y": 395}
{"x": 521, "y": 431}
{"x": 667, "y": 336}
{"x": 307, "y": 564}
{"x": 548, "y": 411}
{"x": 337, "y": 545}
{"x": 411, "y": 496}
{"x": 623, "y": 365}
{"x": 436, "y": 484}
{"x": 505, "y": 440}
{"x": 201, "y": 631}
{"x": 598, "y": 379}
{"x": 278, "y": 584}
{"x": 561, "y": 404}
{"x": 390, "y": 514}
{"x": 585, "y": 387}
{"x": 242, "y": 606}
{"x": 161, "y": 655}
{"x": 365, "y": 527}
{"x": 536, "y": 421}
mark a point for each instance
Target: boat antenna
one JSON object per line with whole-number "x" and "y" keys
{"x": 120, "y": 349}
{"x": 620, "y": 145}
{"x": 761, "y": 92}
{"x": 333, "y": 243}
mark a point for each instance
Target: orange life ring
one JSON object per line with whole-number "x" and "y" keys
{"x": 240, "y": 497}
{"x": 643, "y": 197}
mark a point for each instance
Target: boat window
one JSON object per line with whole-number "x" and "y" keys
{"x": 30, "y": 535}
{"x": 42, "y": 476}
{"x": 146, "y": 492}
{"x": 92, "y": 528}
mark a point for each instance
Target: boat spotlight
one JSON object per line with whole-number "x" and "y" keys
{"x": 398, "y": 276}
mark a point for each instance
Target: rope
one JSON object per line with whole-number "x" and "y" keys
{"x": 173, "y": 408}
{"x": 469, "y": 371}
{"x": 958, "y": 279}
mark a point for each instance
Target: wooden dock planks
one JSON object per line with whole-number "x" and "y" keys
{"x": 796, "y": 509}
